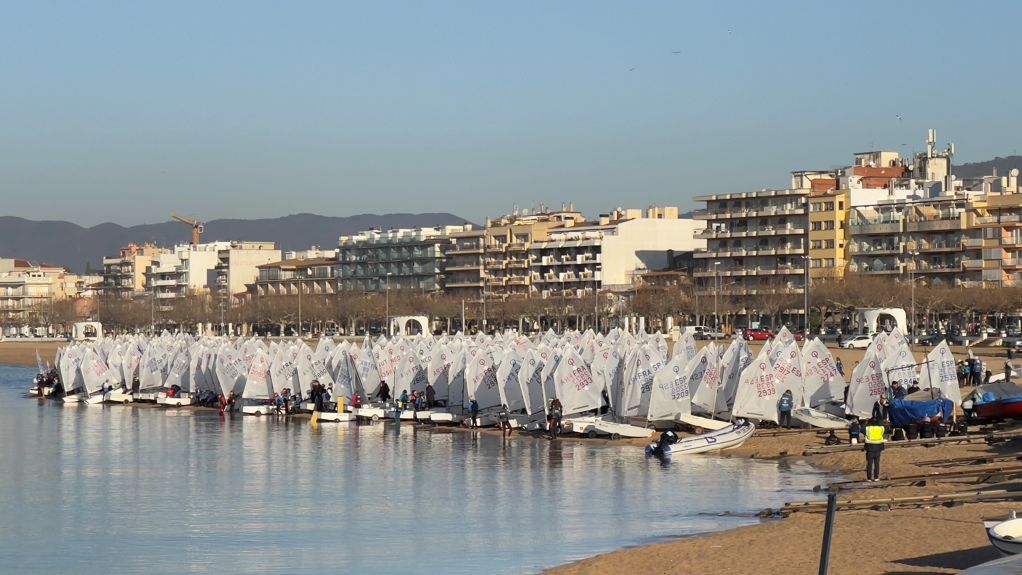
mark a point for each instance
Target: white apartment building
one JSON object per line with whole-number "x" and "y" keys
{"x": 25, "y": 292}
{"x": 580, "y": 258}
{"x": 405, "y": 258}
{"x": 184, "y": 270}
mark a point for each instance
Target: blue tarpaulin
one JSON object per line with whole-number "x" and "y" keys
{"x": 904, "y": 412}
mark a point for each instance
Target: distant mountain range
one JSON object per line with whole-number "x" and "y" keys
{"x": 77, "y": 248}
{"x": 978, "y": 169}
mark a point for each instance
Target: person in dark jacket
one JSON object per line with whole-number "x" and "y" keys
{"x": 784, "y": 407}
{"x": 473, "y": 411}
{"x": 384, "y": 393}
{"x": 504, "y": 416}
{"x": 430, "y": 396}
{"x": 880, "y": 410}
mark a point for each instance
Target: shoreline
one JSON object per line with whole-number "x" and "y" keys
{"x": 954, "y": 535}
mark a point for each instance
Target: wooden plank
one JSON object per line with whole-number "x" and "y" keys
{"x": 1001, "y": 471}
{"x": 988, "y": 438}
{"x": 966, "y": 497}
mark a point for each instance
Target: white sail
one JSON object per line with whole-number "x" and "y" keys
{"x": 899, "y": 365}
{"x": 757, "y": 391}
{"x": 439, "y": 371}
{"x": 95, "y": 373}
{"x": 257, "y": 380}
{"x": 409, "y": 375}
{"x": 575, "y": 387}
{"x": 822, "y": 380}
{"x": 867, "y": 385}
{"x": 179, "y": 374}
{"x": 368, "y": 373}
{"x": 670, "y": 397}
{"x": 941, "y": 372}
{"x": 686, "y": 346}
{"x": 735, "y": 360}
{"x": 705, "y": 380}
{"x": 481, "y": 381}
{"x": 230, "y": 372}
{"x": 507, "y": 380}
{"x": 530, "y": 380}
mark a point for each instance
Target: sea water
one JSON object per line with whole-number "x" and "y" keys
{"x": 123, "y": 489}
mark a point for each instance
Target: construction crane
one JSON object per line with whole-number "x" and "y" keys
{"x": 197, "y": 227}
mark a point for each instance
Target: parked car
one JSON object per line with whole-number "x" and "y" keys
{"x": 856, "y": 342}
{"x": 705, "y": 332}
{"x": 932, "y": 339}
{"x": 757, "y": 334}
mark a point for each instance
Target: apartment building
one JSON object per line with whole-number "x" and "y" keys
{"x": 124, "y": 275}
{"x": 756, "y": 242}
{"x": 463, "y": 270}
{"x": 373, "y": 260}
{"x": 307, "y": 276}
{"x": 184, "y": 270}
{"x": 27, "y": 289}
{"x": 611, "y": 253}
{"x": 237, "y": 266}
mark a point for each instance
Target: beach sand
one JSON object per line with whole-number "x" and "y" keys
{"x": 22, "y": 353}
{"x": 932, "y": 539}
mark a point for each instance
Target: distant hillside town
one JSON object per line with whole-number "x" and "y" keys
{"x": 906, "y": 230}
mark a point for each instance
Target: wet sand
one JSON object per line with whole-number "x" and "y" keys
{"x": 927, "y": 539}
{"x": 22, "y": 353}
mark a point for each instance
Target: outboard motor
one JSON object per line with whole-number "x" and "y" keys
{"x": 656, "y": 448}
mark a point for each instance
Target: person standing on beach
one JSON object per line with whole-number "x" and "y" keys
{"x": 840, "y": 367}
{"x": 430, "y": 396}
{"x": 473, "y": 411}
{"x": 784, "y": 406}
{"x": 384, "y": 393}
{"x": 1009, "y": 367}
{"x": 505, "y": 421}
{"x": 874, "y": 447}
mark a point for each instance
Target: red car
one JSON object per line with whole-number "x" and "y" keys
{"x": 757, "y": 334}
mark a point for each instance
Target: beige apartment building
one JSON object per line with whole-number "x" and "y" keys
{"x": 124, "y": 275}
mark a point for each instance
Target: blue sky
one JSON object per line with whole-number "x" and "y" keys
{"x": 128, "y": 111}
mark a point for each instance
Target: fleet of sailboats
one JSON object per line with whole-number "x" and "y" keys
{"x": 618, "y": 384}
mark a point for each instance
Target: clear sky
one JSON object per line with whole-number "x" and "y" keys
{"x": 128, "y": 111}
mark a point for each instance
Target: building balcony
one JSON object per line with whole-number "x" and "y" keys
{"x": 875, "y": 228}
{"x": 464, "y": 284}
{"x": 1006, "y": 220}
{"x": 933, "y": 225}
{"x": 494, "y": 264}
{"x": 517, "y": 264}
{"x": 867, "y": 250}
{"x": 464, "y": 267}
{"x": 465, "y": 250}
{"x": 517, "y": 246}
{"x": 519, "y": 281}
{"x": 971, "y": 264}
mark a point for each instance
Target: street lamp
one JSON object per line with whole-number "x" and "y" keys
{"x": 715, "y": 289}
{"x": 805, "y": 289}
{"x": 388, "y": 303}
{"x": 912, "y": 280}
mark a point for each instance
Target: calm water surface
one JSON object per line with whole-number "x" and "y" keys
{"x": 132, "y": 490}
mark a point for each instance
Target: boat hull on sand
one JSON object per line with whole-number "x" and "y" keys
{"x": 1007, "y": 408}
{"x": 1005, "y": 536}
{"x": 817, "y": 418}
{"x": 593, "y": 426}
{"x": 727, "y": 438}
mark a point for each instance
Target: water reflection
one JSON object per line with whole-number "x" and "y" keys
{"x": 132, "y": 490}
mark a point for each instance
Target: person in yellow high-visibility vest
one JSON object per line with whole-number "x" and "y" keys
{"x": 874, "y": 447}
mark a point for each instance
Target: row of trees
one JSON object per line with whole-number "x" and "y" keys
{"x": 359, "y": 312}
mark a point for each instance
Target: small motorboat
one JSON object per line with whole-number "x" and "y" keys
{"x": 1002, "y": 400}
{"x": 727, "y": 438}
{"x": 1005, "y": 536}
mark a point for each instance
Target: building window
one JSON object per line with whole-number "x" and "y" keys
{"x": 816, "y": 244}
{"x": 830, "y": 244}
{"x": 816, "y": 226}
{"x": 840, "y": 205}
{"x": 828, "y": 225}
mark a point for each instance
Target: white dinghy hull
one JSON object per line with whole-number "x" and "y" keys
{"x": 727, "y": 438}
{"x": 181, "y": 400}
{"x": 592, "y": 426}
{"x": 259, "y": 410}
{"x": 817, "y": 418}
{"x": 1005, "y": 536}
{"x": 118, "y": 396}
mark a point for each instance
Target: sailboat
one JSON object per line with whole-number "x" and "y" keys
{"x": 822, "y": 383}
